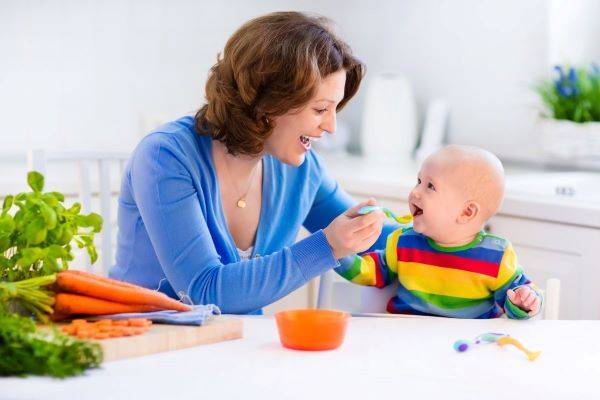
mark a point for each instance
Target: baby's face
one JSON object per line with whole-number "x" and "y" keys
{"x": 436, "y": 201}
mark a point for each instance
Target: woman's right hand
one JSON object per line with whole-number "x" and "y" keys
{"x": 352, "y": 233}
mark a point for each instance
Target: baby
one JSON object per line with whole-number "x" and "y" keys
{"x": 445, "y": 263}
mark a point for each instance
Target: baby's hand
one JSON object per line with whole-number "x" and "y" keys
{"x": 525, "y": 298}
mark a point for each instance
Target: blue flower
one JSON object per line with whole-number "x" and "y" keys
{"x": 573, "y": 76}
{"x": 566, "y": 86}
{"x": 561, "y": 74}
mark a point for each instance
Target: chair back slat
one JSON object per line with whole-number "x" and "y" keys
{"x": 325, "y": 286}
{"x": 552, "y": 299}
{"x": 105, "y": 196}
{"x": 85, "y": 198}
{"x": 37, "y": 160}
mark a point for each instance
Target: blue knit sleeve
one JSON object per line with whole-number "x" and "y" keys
{"x": 173, "y": 217}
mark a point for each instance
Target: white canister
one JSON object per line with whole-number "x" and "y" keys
{"x": 389, "y": 125}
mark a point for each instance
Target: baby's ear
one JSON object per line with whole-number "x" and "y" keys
{"x": 469, "y": 212}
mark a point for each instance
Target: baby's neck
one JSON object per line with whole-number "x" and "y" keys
{"x": 458, "y": 241}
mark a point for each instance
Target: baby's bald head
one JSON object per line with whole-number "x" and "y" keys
{"x": 476, "y": 172}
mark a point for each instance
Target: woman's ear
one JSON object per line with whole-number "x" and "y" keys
{"x": 469, "y": 212}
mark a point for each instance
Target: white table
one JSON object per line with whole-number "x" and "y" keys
{"x": 401, "y": 358}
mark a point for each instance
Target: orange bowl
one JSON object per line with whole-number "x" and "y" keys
{"x": 312, "y": 329}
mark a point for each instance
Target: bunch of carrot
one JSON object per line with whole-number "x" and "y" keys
{"x": 106, "y": 328}
{"x": 83, "y": 293}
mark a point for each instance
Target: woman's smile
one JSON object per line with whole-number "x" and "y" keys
{"x": 306, "y": 141}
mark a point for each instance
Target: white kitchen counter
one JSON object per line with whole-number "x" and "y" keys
{"x": 530, "y": 192}
{"x": 406, "y": 357}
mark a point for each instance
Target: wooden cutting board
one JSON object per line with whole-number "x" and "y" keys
{"x": 162, "y": 337}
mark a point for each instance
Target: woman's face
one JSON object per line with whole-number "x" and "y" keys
{"x": 294, "y": 131}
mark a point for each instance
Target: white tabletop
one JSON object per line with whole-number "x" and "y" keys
{"x": 391, "y": 357}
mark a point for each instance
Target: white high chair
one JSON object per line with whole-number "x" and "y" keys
{"x": 335, "y": 292}
{"x": 86, "y": 161}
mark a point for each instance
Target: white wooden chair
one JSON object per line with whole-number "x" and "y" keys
{"x": 86, "y": 161}
{"x": 336, "y": 293}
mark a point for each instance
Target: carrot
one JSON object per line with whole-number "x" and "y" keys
{"x": 107, "y": 289}
{"x": 107, "y": 328}
{"x": 101, "y": 335}
{"x": 142, "y": 322}
{"x": 100, "y": 278}
{"x": 70, "y": 329}
{"x": 66, "y": 304}
{"x": 104, "y": 322}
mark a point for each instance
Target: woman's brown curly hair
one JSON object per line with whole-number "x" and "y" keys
{"x": 271, "y": 65}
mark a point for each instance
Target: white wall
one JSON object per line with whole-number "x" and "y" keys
{"x": 574, "y": 33}
{"x": 95, "y": 74}
{"x": 89, "y": 74}
{"x": 481, "y": 56}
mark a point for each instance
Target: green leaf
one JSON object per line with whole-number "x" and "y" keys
{"x": 5, "y": 262}
{"x": 36, "y": 231}
{"x": 5, "y": 243}
{"x": 49, "y": 215}
{"x": 30, "y": 255}
{"x": 58, "y": 195}
{"x": 95, "y": 220}
{"x": 50, "y": 199}
{"x": 66, "y": 236}
{"x": 50, "y": 265}
{"x": 91, "y": 220}
{"x": 75, "y": 208}
{"x": 7, "y": 224}
{"x": 92, "y": 253}
{"x": 35, "y": 181}
{"x": 8, "y": 202}
{"x": 56, "y": 251}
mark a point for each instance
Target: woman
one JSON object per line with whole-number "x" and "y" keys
{"x": 210, "y": 206}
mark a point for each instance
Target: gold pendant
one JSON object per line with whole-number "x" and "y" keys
{"x": 241, "y": 203}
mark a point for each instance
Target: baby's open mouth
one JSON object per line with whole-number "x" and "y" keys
{"x": 417, "y": 210}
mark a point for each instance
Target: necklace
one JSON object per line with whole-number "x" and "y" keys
{"x": 241, "y": 203}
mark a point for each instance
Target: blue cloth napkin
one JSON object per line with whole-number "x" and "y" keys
{"x": 197, "y": 316}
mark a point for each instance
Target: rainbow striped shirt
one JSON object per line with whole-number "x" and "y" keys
{"x": 469, "y": 281}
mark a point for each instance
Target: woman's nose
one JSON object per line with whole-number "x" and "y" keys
{"x": 329, "y": 124}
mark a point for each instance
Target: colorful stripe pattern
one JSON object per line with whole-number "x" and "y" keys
{"x": 465, "y": 282}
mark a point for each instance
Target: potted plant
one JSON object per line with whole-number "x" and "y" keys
{"x": 36, "y": 232}
{"x": 570, "y": 122}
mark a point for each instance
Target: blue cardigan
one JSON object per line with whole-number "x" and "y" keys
{"x": 173, "y": 234}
